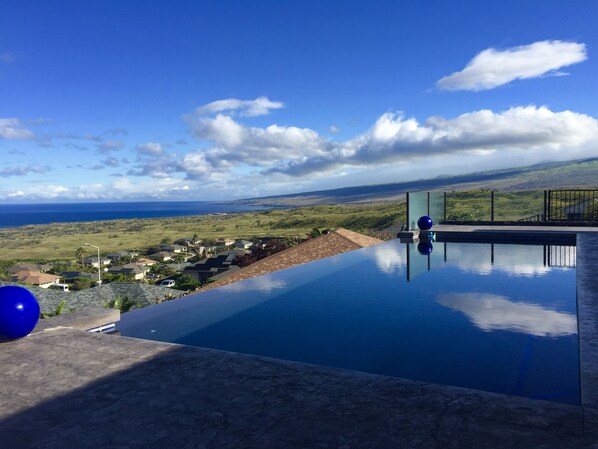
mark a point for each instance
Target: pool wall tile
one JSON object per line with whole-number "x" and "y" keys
{"x": 587, "y": 303}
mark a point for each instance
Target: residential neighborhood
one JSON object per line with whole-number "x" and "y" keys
{"x": 170, "y": 269}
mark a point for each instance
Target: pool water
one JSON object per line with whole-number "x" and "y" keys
{"x": 491, "y": 317}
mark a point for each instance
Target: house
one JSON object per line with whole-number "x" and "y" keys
{"x": 145, "y": 261}
{"x": 70, "y": 275}
{"x": 121, "y": 254}
{"x": 335, "y": 242}
{"x": 225, "y": 241}
{"x": 133, "y": 270}
{"x": 187, "y": 241}
{"x": 243, "y": 244}
{"x": 207, "y": 268}
{"x": 178, "y": 266}
{"x": 161, "y": 256}
{"x": 93, "y": 261}
{"x": 173, "y": 248}
{"x": 43, "y": 280}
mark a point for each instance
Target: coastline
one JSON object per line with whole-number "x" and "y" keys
{"x": 15, "y": 215}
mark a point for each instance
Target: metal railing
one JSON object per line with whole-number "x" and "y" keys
{"x": 539, "y": 206}
{"x": 572, "y": 205}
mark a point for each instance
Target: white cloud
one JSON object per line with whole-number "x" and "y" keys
{"x": 110, "y": 145}
{"x": 37, "y": 192}
{"x": 513, "y": 260}
{"x": 246, "y": 108}
{"x": 149, "y": 148}
{"x": 12, "y": 129}
{"x": 121, "y": 188}
{"x": 389, "y": 258}
{"x": 24, "y": 170}
{"x": 237, "y": 144}
{"x": 492, "y": 312}
{"x": 284, "y": 153}
{"x": 334, "y": 129}
{"x": 394, "y": 139}
{"x": 492, "y": 68}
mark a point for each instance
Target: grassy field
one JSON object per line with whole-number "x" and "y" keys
{"x": 60, "y": 241}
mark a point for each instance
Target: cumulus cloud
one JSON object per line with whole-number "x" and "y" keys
{"x": 512, "y": 260}
{"x": 39, "y": 192}
{"x": 530, "y": 133}
{"x": 12, "y": 129}
{"x": 245, "y": 108}
{"x": 395, "y": 139}
{"x": 492, "y": 312}
{"x": 110, "y": 145}
{"x": 149, "y": 148}
{"x": 492, "y": 68}
{"x": 236, "y": 144}
{"x": 111, "y": 162}
{"x": 389, "y": 259}
{"x": 24, "y": 170}
{"x": 334, "y": 129}
{"x": 160, "y": 165}
{"x": 121, "y": 188}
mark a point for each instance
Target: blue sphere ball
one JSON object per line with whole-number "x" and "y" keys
{"x": 425, "y": 248}
{"x": 425, "y": 223}
{"x": 19, "y": 312}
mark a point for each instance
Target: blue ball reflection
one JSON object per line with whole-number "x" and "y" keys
{"x": 19, "y": 312}
{"x": 425, "y": 223}
{"x": 425, "y": 248}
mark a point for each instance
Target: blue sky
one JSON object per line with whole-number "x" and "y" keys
{"x": 206, "y": 100}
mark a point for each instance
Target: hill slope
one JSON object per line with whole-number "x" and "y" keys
{"x": 552, "y": 175}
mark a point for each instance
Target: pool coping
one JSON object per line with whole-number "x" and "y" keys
{"x": 64, "y": 387}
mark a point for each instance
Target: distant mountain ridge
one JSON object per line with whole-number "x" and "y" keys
{"x": 549, "y": 175}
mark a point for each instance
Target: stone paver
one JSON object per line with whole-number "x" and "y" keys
{"x": 68, "y": 388}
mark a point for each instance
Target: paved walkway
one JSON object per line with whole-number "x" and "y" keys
{"x": 65, "y": 388}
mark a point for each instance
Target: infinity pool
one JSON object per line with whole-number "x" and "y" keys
{"x": 491, "y": 317}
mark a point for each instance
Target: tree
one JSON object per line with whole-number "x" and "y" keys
{"x": 79, "y": 254}
{"x": 186, "y": 282}
{"x": 81, "y": 283}
{"x": 315, "y": 232}
{"x": 58, "y": 311}
{"x": 108, "y": 278}
{"x": 165, "y": 241}
{"x": 121, "y": 304}
{"x": 195, "y": 238}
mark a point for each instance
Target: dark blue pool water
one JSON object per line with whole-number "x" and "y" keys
{"x": 499, "y": 318}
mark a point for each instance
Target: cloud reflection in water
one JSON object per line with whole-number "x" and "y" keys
{"x": 492, "y": 312}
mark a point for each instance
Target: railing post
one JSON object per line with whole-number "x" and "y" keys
{"x": 444, "y": 206}
{"x": 408, "y": 224}
{"x": 492, "y": 205}
{"x": 548, "y": 211}
{"x": 428, "y": 214}
{"x": 545, "y": 206}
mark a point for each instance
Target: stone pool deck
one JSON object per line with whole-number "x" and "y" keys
{"x": 63, "y": 387}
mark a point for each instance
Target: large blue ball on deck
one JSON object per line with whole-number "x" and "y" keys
{"x": 19, "y": 312}
{"x": 425, "y": 223}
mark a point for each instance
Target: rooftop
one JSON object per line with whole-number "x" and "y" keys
{"x": 63, "y": 387}
{"x": 335, "y": 242}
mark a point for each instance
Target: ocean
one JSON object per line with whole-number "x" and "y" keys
{"x": 25, "y": 214}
